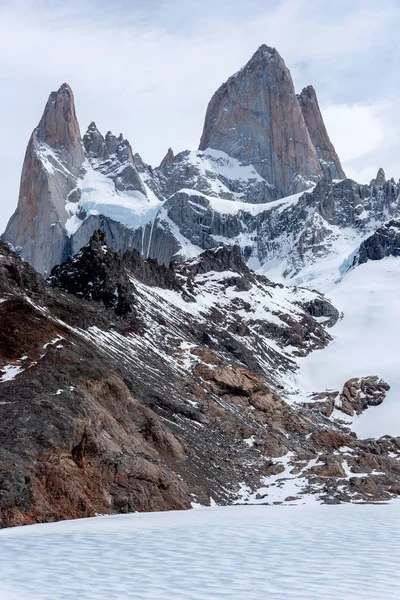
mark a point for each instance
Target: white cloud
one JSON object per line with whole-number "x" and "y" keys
{"x": 356, "y": 129}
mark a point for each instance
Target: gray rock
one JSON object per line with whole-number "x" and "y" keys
{"x": 53, "y": 163}
{"x": 319, "y": 136}
{"x": 384, "y": 242}
{"x": 256, "y": 117}
{"x": 113, "y": 157}
{"x": 380, "y": 179}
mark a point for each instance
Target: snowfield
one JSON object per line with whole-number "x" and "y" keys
{"x": 366, "y": 342}
{"x": 243, "y": 553}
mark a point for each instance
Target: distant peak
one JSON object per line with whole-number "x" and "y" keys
{"x": 265, "y": 52}
{"x": 264, "y": 49}
{"x": 59, "y": 126}
{"x": 168, "y": 158}
{"x": 381, "y": 173}
{"x": 308, "y": 91}
{"x": 380, "y": 179}
{"x": 65, "y": 87}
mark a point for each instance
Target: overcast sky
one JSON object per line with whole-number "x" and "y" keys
{"x": 147, "y": 68}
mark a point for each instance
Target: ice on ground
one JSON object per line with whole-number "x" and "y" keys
{"x": 99, "y": 196}
{"x": 239, "y": 552}
{"x": 10, "y": 372}
{"x": 230, "y": 207}
{"x": 366, "y": 342}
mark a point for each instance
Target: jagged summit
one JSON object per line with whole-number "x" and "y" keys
{"x": 261, "y": 144}
{"x": 319, "y": 136}
{"x": 168, "y": 158}
{"x": 256, "y": 118}
{"x": 264, "y": 53}
{"x": 59, "y": 127}
{"x": 380, "y": 179}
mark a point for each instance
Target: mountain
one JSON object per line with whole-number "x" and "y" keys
{"x": 262, "y": 145}
{"x": 126, "y": 385}
{"x": 326, "y": 153}
{"x": 164, "y": 359}
{"x": 255, "y": 117}
{"x": 52, "y": 169}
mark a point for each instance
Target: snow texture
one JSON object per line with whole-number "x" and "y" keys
{"x": 239, "y": 552}
{"x": 366, "y": 342}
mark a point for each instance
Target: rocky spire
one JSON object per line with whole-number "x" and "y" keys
{"x": 319, "y": 136}
{"x": 94, "y": 142}
{"x": 168, "y": 158}
{"x": 256, "y": 118}
{"x": 380, "y": 179}
{"x": 59, "y": 127}
{"x": 54, "y": 159}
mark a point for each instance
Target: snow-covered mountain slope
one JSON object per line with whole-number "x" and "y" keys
{"x": 147, "y": 388}
{"x": 251, "y": 553}
{"x": 365, "y": 342}
{"x": 243, "y": 186}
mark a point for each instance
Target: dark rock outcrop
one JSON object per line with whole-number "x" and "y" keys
{"x": 107, "y": 411}
{"x": 360, "y": 393}
{"x": 321, "y": 307}
{"x": 384, "y": 242}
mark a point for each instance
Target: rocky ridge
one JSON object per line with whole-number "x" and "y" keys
{"x": 256, "y": 118}
{"x": 384, "y": 242}
{"x": 243, "y": 186}
{"x": 126, "y": 385}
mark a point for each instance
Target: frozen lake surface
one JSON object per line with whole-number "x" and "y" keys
{"x": 311, "y": 552}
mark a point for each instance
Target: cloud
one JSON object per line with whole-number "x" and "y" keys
{"x": 149, "y": 68}
{"x": 356, "y": 129}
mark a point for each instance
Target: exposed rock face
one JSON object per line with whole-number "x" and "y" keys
{"x": 380, "y": 179}
{"x": 384, "y": 242}
{"x": 358, "y": 394}
{"x": 109, "y": 410}
{"x": 256, "y": 118}
{"x": 168, "y": 158}
{"x": 113, "y": 157}
{"x": 319, "y": 136}
{"x": 361, "y": 393}
{"x": 296, "y": 233}
{"x": 53, "y": 162}
{"x": 321, "y": 308}
{"x": 263, "y": 142}
{"x": 59, "y": 128}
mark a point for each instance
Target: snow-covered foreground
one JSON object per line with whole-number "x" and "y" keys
{"x": 366, "y": 342}
{"x": 239, "y": 552}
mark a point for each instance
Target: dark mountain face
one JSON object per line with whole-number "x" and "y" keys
{"x": 384, "y": 242}
{"x": 128, "y": 386}
{"x": 153, "y": 367}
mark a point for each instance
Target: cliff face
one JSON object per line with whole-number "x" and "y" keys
{"x": 256, "y": 117}
{"x": 319, "y": 136}
{"x": 113, "y": 157}
{"x": 53, "y": 163}
{"x": 115, "y": 397}
{"x": 260, "y": 144}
